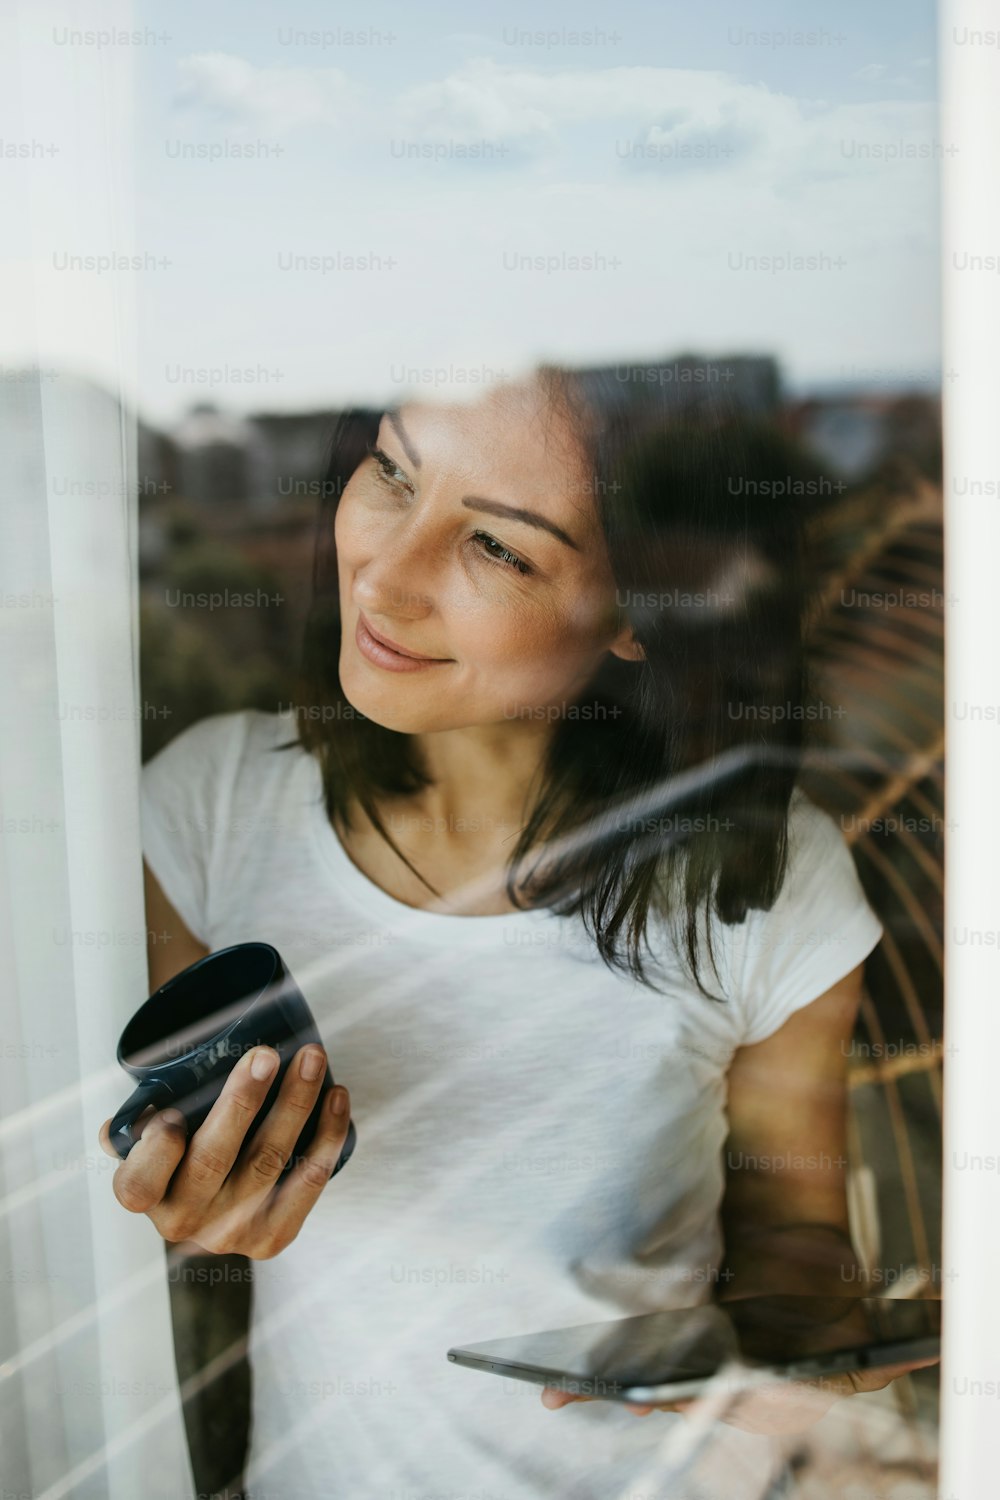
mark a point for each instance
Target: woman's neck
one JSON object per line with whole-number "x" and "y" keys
{"x": 481, "y": 775}
{"x": 460, "y": 830}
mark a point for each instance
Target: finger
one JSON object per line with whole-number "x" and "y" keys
{"x": 104, "y": 1138}
{"x": 554, "y": 1399}
{"x": 785, "y": 1406}
{"x": 216, "y": 1143}
{"x": 274, "y": 1142}
{"x": 104, "y": 1134}
{"x": 310, "y": 1175}
{"x": 143, "y": 1178}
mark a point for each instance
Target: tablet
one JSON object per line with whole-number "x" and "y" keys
{"x": 665, "y": 1356}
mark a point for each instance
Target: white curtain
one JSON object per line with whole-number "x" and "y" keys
{"x": 970, "y": 125}
{"x": 88, "y": 1395}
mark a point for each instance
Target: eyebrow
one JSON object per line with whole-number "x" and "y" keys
{"x": 396, "y": 422}
{"x": 514, "y": 513}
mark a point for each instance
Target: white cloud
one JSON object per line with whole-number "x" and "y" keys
{"x": 871, "y": 71}
{"x": 572, "y": 122}
{"x": 660, "y": 119}
{"x": 266, "y": 101}
{"x": 674, "y": 236}
{"x": 479, "y": 102}
{"x": 486, "y": 100}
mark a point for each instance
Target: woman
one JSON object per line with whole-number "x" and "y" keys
{"x": 586, "y": 960}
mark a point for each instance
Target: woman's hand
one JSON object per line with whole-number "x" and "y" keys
{"x": 207, "y": 1189}
{"x": 780, "y": 1406}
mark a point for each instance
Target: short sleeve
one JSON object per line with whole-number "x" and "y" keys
{"x": 819, "y": 929}
{"x": 181, "y": 797}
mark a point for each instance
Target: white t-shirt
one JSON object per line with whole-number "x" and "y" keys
{"x": 540, "y": 1140}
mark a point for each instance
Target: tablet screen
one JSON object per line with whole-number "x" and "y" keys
{"x": 686, "y": 1344}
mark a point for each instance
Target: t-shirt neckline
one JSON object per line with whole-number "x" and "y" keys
{"x": 437, "y": 927}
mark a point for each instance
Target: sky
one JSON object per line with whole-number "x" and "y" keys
{"x": 361, "y": 202}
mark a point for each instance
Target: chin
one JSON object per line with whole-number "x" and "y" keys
{"x": 401, "y": 711}
{"x": 402, "y": 722}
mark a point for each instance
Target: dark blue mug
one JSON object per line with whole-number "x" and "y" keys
{"x": 182, "y": 1044}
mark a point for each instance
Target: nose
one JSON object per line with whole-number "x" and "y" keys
{"x": 397, "y": 581}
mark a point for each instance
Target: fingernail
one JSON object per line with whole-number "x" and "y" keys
{"x": 171, "y": 1117}
{"x": 311, "y": 1064}
{"x": 339, "y": 1101}
{"x": 264, "y": 1063}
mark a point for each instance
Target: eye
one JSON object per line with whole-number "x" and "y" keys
{"x": 389, "y": 471}
{"x": 500, "y": 554}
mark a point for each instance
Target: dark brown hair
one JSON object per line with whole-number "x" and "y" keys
{"x": 670, "y": 797}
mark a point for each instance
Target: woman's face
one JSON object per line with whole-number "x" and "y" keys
{"x": 471, "y": 540}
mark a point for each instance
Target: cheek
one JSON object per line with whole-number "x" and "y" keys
{"x": 345, "y": 529}
{"x": 574, "y": 621}
{"x": 358, "y": 538}
{"x": 532, "y": 651}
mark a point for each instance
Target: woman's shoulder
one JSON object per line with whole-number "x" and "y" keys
{"x": 220, "y": 774}
{"x": 211, "y": 744}
{"x": 205, "y": 797}
{"x": 821, "y": 895}
{"x": 819, "y": 928}
{"x": 813, "y": 834}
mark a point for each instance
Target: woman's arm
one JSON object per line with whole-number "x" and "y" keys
{"x": 784, "y": 1214}
{"x": 170, "y": 945}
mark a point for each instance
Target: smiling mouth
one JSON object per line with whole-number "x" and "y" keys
{"x": 384, "y": 653}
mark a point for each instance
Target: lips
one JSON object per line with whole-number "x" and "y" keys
{"x": 391, "y": 645}
{"x": 380, "y": 652}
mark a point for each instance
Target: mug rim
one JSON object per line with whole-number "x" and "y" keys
{"x": 152, "y": 1069}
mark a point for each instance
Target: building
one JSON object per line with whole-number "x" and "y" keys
{"x": 217, "y": 455}
{"x": 688, "y": 382}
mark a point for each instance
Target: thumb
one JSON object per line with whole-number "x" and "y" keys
{"x": 878, "y": 1379}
